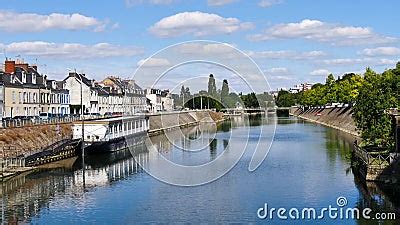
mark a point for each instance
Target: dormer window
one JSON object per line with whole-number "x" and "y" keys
{"x": 33, "y": 78}
{"x": 23, "y": 77}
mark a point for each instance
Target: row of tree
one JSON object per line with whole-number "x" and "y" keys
{"x": 222, "y": 98}
{"x": 343, "y": 90}
{"x": 371, "y": 96}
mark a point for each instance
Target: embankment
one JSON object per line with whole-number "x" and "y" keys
{"x": 338, "y": 118}
{"x": 172, "y": 120}
{"x": 33, "y": 137}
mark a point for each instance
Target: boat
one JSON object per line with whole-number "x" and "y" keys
{"x": 112, "y": 134}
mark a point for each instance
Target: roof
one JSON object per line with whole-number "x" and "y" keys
{"x": 80, "y": 77}
{"x": 111, "y": 120}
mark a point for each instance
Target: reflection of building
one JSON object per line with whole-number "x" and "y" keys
{"x": 26, "y": 195}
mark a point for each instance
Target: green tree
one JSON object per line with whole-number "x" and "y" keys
{"x": 225, "y": 93}
{"x": 285, "y": 99}
{"x": 212, "y": 88}
{"x": 376, "y": 95}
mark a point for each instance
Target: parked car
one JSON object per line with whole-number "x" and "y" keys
{"x": 108, "y": 114}
{"x": 45, "y": 116}
{"x": 20, "y": 118}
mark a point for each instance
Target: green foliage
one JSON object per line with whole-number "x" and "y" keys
{"x": 212, "y": 88}
{"x": 285, "y": 99}
{"x": 250, "y": 100}
{"x": 343, "y": 90}
{"x": 377, "y": 93}
{"x": 185, "y": 96}
{"x": 266, "y": 100}
{"x": 371, "y": 95}
{"x": 225, "y": 93}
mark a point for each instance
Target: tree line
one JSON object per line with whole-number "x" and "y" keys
{"x": 370, "y": 95}
{"x": 221, "y": 99}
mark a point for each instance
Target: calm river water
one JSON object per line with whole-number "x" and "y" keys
{"x": 307, "y": 166}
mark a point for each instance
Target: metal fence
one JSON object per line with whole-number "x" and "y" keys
{"x": 33, "y": 122}
{"x": 380, "y": 160}
{"x": 12, "y": 158}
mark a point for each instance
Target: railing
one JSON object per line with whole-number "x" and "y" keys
{"x": 379, "y": 160}
{"x": 28, "y": 122}
{"x": 11, "y": 158}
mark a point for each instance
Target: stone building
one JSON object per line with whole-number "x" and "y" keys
{"x": 26, "y": 92}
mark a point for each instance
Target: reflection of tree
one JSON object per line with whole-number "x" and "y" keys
{"x": 255, "y": 120}
{"x": 376, "y": 198}
{"x": 225, "y": 126}
{"x": 226, "y": 143}
{"x": 338, "y": 144}
{"x": 213, "y": 148}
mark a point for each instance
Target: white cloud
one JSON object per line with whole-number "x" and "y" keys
{"x": 381, "y": 51}
{"x": 359, "y": 61}
{"x": 323, "y": 32}
{"x": 71, "y": 50}
{"x": 287, "y": 54}
{"x": 278, "y": 73}
{"x": 320, "y": 72}
{"x": 269, "y": 3}
{"x": 153, "y": 62}
{"x": 204, "y": 49}
{"x": 198, "y": 24}
{"x": 220, "y": 2}
{"x": 32, "y": 22}
{"x": 131, "y": 3}
{"x": 280, "y": 70}
{"x": 279, "y": 77}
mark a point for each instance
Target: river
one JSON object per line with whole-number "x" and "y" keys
{"x": 307, "y": 166}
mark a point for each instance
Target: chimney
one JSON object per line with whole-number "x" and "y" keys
{"x": 22, "y": 65}
{"x": 34, "y": 67}
{"x": 9, "y": 66}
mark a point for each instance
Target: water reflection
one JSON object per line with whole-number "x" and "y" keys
{"x": 308, "y": 166}
{"x": 25, "y": 195}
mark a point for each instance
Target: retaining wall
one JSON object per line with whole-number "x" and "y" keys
{"x": 336, "y": 117}
{"x": 168, "y": 121}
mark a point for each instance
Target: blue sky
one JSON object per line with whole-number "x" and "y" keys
{"x": 292, "y": 41}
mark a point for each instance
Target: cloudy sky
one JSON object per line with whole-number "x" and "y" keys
{"x": 291, "y": 41}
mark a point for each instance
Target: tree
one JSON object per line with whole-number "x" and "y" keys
{"x": 285, "y": 99}
{"x": 225, "y": 93}
{"x": 250, "y": 100}
{"x": 212, "y": 88}
{"x": 182, "y": 96}
{"x": 376, "y": 95}
{"x": 330, "y": 90}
